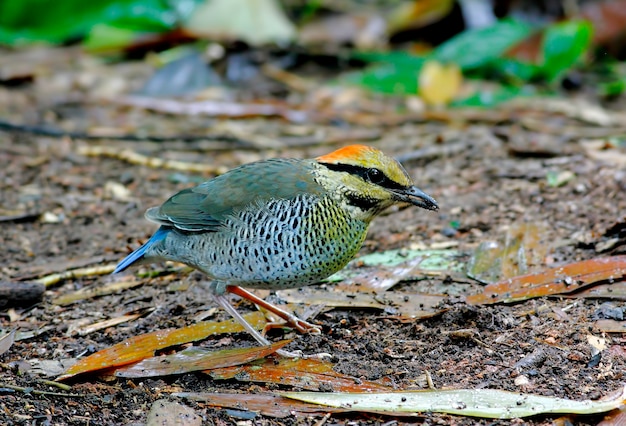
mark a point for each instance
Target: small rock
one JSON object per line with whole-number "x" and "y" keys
{"x": 522, "y": 380}
{"x": 608, "y": 310}
{"x": 164, "y": 412}
{"x": 49, "y": 217}
{"x": 116, "y": 191}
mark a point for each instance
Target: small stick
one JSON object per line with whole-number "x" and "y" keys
{"x": 52, "y": 279}
{"x": 40, "y": 392}
{"x": 134, "y": 157}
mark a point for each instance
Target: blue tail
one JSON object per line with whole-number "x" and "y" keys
{"x": 138, "y": 254}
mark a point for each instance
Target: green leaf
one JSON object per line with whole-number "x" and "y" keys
{"x": 563, "y": 45}
{"x": 400, "y": 59}
{"x": 397, "y": 72}
{"x": 490, "y": 98}
{"x": 24, "y": 21}
{"x": 387, "y": 78}
{"x": 513, "y": 71}
{"x": 476, "y": 48}
{"x": 556, "y": 179}
{"x": 104, "y": 36}
{"x": 392, "y": 72}
{"x": 489, "y": 403}
{"x": 613, "y": 88}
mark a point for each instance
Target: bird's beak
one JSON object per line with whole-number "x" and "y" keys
{"x": 418, "y": 198}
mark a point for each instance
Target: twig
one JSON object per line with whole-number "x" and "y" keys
{"x": 293, "y": 81}
{"x": 60, "y": 264}
{"x": 434, "y": 151}
{"x": 213, "y": 108}
{"x": 224, "y": 141}
{"x": 40, "y": 392}
{"x": 62, "y": 386}
{"x": 20, "y": 217}
{"x": 429, "y": 380}
{"x": 52, "y": 279}
{"x": 112, "y": 322}
{"x": 96, "y": 291}
{"x": 323, "y": 420}
{"x": 572, "y": 132}
{"x": 133, "y": 157}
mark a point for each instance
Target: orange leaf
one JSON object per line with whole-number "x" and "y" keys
{"x": 139, "y": 347}
{"x": 563, "y": 279}
{"x": 304, "y": 373}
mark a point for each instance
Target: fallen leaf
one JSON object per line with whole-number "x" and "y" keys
{"x": 489, "y": 403}
{"x": 523, "y": 248}
{"x": 111, "y": 322}
{"x": 610, "y": 326}
{"x": 596, "y": 342}
{"x": 266, "y": 405}
{"x": 253, "y": 21}
{"x": 411, "y": 305}
{"x": 599, "y": 149}
{"x": 139, "y": 347}
{"x": 417, "y": 14}
{"x": 7, "y": 341}
{"x": 439, "y": 84}
{"x": 196, "y": 359}
{"x": 377, "y": 272}
{"x": 562, "y": 279}
{"x": 301, "y": 373}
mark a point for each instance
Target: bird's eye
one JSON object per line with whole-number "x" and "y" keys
{"x": 375, "y": 175}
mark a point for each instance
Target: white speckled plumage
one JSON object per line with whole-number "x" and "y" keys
{"x": 280, "y": 244}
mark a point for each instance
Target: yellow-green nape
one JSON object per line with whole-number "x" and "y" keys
{"x": 368, "y": 157}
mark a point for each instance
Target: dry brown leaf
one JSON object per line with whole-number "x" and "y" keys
{"x": 562, "y": 279}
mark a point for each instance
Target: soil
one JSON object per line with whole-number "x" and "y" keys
{"x": 77, "y": 210}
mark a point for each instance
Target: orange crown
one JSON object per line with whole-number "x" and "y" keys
{"x": 355, "y": 152}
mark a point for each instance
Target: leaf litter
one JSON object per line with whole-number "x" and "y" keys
{"x": 368, "y": 347}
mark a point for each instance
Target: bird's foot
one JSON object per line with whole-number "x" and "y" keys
{"x": 221, "y": 300}
{"x": 302, "y": 326}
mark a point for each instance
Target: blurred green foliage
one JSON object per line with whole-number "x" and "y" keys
{"x": 475, "y": 49}
{"x": 27, "y": 21}
{"x": 480, "y": 53}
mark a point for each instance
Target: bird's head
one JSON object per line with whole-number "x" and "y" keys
{"x": 365, "y": 181}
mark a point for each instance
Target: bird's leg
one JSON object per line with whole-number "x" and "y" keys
{"x": 225, "y": 304}
{"x": 297, "y": 323}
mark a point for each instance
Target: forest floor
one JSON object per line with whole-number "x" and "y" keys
{"x": 66, "y": 205}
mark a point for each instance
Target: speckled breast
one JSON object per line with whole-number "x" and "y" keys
{"x": 280, "y": 244}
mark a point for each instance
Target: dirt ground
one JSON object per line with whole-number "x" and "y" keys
{"x": 488, "y": 175}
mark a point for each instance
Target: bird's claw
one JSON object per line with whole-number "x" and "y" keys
{"x": 304, "y": 326}
{"x": 297, "y": 324}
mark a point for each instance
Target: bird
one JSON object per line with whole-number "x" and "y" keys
{"x": 278, "y": 223}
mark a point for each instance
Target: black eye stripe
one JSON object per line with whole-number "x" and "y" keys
{"x": 369, "y": 174}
